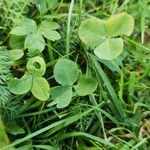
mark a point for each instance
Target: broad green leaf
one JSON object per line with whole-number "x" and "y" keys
{"x": 63, "y": 95}
{"x": 66, "y": 72}
{"x": 47, "y": 25}
{"x": 15, "y": 54}
{"x": 21, "y": 86}
{"x": 86, "y": 85}
{"x": 36, "y": 66}
{"x": 34, "y": 41}
{"x": 24, "y": 26}
{"x": 120, "y": 24}
{"x": 40, "y": 88}
{"x": 16, "y": 42}
{"x": 109, "y": 49}
{"x": 92, "y": 32}
{"x": 52, "y": 35}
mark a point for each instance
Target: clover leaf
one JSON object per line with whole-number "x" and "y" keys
{"x": 47, "y": 29}
{"x": 66, "y": 72}
{"x": 40, "y": 88}
{"x": 32, "y": 80}
{"x": 21, "y": 86}
{"x": 36, "y": 66}
{"x": 62, "y": 95}
{"x": 27, "y": 35}
{"x": 109, "y": 49}
{"x": 120, "y": 24}
{"x": 86, "y": 85}
{"x": 24, "y": 26}
{"x": 34, "y": 41}
{"x": 15, "y": 54}
{"x": 16, "y": 42}
{"x": 100, "y": 35}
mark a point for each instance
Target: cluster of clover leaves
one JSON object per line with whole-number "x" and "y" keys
{"x": 100, "y": 35}
{"x": 27, "y": 35}
{"x": 104, "y": 35}
{"x": 66, "y": 73}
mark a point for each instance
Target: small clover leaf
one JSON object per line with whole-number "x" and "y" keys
{"x": 47, "y": 29}
{"x": 15, "y": 54}
{"x": 86, "y": 85}
{"x": 21, "y": 86}
{"x": 36, "y": 66}
{"x": 66, "y": 72}
{"x": 40, "y": 88}
{"x": 27, "y": 35}
{"x": 24, "y": 26}
{"x": 92, "y": 32}
{"x": 32, "y": 80}
{"x": 120, "y": 24}
{"x": 62, "y": 95}
{"x": 34, "y": 41}
{"x": 99, "y": 34}
{"x": 109, "y": 49}
{"x": 16, "y": 42}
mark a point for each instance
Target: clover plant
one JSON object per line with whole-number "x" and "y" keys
{"x": 104, "y": 36}
{"x": 66, "y": 73}
{"x": 32, "y": 80}
{"x": 26, "y": 34}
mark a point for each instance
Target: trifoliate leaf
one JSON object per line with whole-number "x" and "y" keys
{"x": 120, "y": 24}
{"x": 24, "y": 26}
{"x": 40, "y": 88}
{"x": 47, "y": 29}
{"x": 62, "y": 95}
{"x": 34, "y": 41}
{"x": 66, "y": 72}
{"x": 109, "y": 49}
{"x": 86, "y": 86}
{"x": 21, "y": 86}
{"x": 36, "y": 66}
{"x": 92, "y": 32}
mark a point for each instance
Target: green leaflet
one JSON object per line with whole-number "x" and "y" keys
{"x": 66, "y": 72}
{"x": 109, "y": 49}
{"x": 20, "y": 86}
{"x": 120, "y": 24}
{"x": 40, "y": 88}
{"x": 92, "y": 32}
{"x": 34, "y": 41}
{"x": 15, "y": 54}
{"x": 62, "y": 95}
{"x": 86, "y": 85}
{"x": 36, "y": 66}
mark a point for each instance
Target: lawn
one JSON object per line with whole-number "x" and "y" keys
{"x": 74, "y": 74}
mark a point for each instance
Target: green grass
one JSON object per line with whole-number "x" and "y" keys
{"x": 115, "y": 116}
